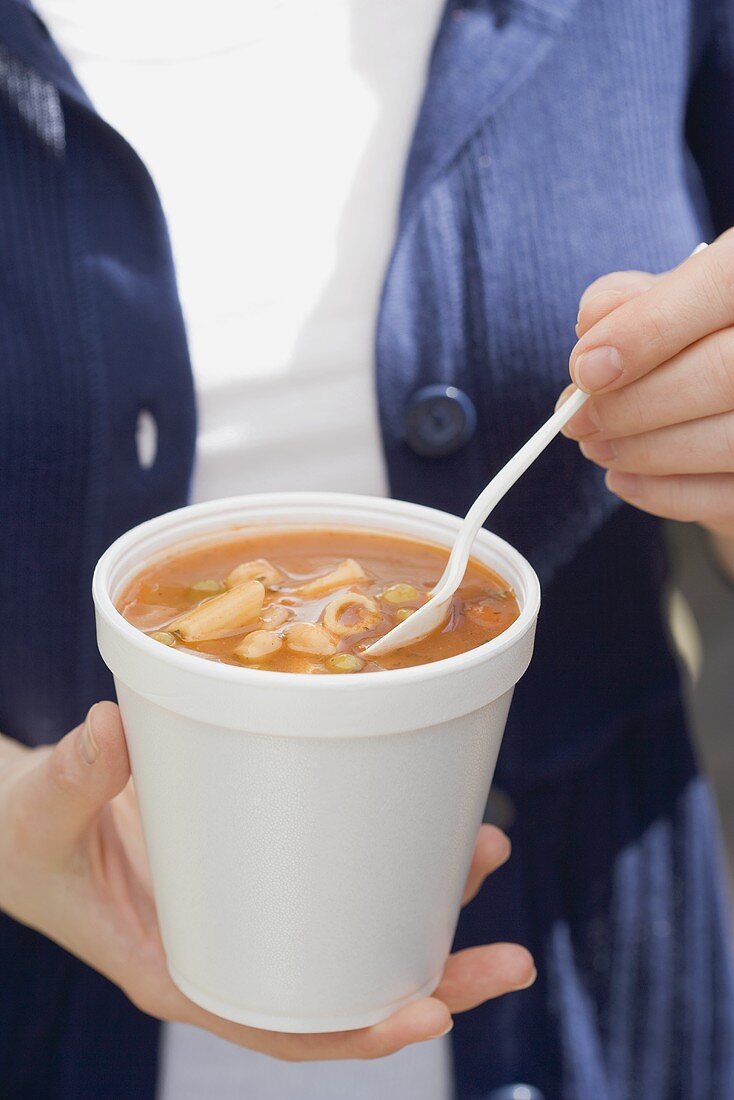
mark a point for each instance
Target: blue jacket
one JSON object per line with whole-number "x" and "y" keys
{"x": 557, "y": 140}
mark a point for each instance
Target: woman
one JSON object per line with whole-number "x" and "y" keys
{"x": 547, "y": 150}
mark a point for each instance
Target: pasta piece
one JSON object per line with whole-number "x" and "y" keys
{"x": 258, "y": 645}
{"x": 274, "y": 616}
{"x": 348, "y": 571}
{"x": 221, "y": 615}
{"x": 368, "y": 615}
{"x": 309, "y": 638}
{"x": 258, "y": 570}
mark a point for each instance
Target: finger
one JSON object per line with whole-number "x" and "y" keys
{"x": 694, "y": 447}
{"x": 471, "y": 977}
{"x": 704, "y": 498}
{"x": 683, "y": 306}
{"x": 607, "y": 293}
{"x": 416, "y": 1022}
{"x": 65, "y": 789}
{"x": 491, "y": 850}
{"x": 617, "y": 282}
{"x": 479, "y": 974}
{"x": 698, "y": 382}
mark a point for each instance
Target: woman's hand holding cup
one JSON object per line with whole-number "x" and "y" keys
{"x": 73, "y": 866}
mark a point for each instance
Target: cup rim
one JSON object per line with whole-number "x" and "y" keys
{"x": 299, "y": 681}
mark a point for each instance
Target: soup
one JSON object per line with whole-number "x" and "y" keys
{"x": 310, "y": 600}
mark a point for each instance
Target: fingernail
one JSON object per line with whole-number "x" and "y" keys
{"x": 440, "y": 1034}
{"x": 89, "y": 747}
{"x": 598, "y": 368}
{"x": 531, "y": 981}
{"x": 624, "y": 485}
{"x": 598, "y": 450}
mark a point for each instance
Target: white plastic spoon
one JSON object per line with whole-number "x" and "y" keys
{"x": 435, "y": 612}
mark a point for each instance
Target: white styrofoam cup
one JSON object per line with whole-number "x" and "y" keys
{"x": 309, "y": 836}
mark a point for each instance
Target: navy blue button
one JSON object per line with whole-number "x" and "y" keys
{"x": 516, "y": 1092}
{"x": 439, "y": 420}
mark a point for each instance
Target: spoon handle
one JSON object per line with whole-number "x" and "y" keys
{"x": 498, "y": 486}
{"x": 504, "y": 480}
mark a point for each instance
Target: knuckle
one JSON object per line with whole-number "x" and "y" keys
{"x": 624, "y": 412}
{"x": 680, "y": 505}
{"x": 284, "y": 1049}
{"x": 718, "y": 279}
{"x": 719, "y": 364}
{"x": 142, "y": 1000}
{"x": 598, "y": 286}
{"x": 374, "y": 1055}
{"x": 617, "y": 283}
{"x": 598, "y": 305}
{"x": 639, "y": 453}
{"x": 654, "y": 325}
{"x": 720, "y": 269}
{"x": 152, "y": 1003}
{"x": 63, "y": 771}
{"x": 727, "y": 427}
{"x": 146, "y": 1006}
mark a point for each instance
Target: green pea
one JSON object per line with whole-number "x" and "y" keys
{"x": 344, "y": 662}
{"x": 400, "y": 593}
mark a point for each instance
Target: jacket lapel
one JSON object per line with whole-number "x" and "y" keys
{"x": 490, "y": 47}
{"x": 25, "y": 37}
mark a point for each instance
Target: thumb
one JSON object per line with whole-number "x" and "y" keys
{"x": 65, "y": 790}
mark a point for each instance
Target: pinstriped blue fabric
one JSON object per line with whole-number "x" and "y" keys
{"x": 614, "y": 882}
{"x": 90, "y": 332}
{"x": 578, "y": 171}
{"x": 558, "y": 139}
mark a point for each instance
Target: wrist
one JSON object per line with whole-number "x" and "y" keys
{"x": 16, "y": 863}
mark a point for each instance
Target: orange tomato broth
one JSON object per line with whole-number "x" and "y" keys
{"x": 161, "y": 593}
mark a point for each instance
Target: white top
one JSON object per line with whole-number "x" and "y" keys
{"x": 276, "y": 133}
